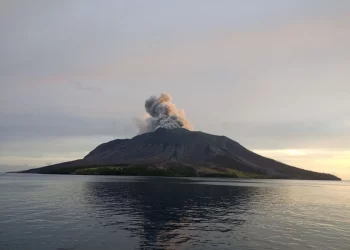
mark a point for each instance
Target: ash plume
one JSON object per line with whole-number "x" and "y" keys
{"x": 162, "y": 113}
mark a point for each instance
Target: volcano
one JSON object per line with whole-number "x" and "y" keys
{"x": 179, "y": 152}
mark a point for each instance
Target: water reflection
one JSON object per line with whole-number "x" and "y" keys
{"x": 163, "y": 213}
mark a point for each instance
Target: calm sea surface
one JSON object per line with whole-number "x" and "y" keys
{"x": 96, "y": 212}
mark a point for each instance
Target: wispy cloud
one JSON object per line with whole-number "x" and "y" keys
{"x": 89, "y": 88}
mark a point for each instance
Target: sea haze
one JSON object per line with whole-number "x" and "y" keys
{"x": 97, "y": 212}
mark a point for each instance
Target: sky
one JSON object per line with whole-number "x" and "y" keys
{"x": 272, "y": 75}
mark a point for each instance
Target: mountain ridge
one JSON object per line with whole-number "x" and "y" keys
{"x": 166, "y": 149}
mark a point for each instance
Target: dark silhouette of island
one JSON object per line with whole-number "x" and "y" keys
{"x": 179, "y": 152}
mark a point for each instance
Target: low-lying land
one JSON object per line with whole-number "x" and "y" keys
{"x": 174, "y": 171}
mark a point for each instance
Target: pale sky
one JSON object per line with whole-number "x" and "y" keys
{"x": 272, "y": 75}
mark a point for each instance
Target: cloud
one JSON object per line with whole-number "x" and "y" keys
{"x": 335, "y": 161}
{"x": 90, "y": 88}
{"x": 303, "y": 40}
{"x": 36, "y": 125}
{"x": 39, "y": 151}
{"x": 162, "y": 113}
{"x": 292, "y": 134}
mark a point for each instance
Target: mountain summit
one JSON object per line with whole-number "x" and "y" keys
{"x": 179, "y": 152}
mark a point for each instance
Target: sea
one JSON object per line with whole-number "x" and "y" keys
{"x": 67, "y": 212}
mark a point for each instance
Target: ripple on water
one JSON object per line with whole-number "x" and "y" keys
{"x": 77, "y": 212}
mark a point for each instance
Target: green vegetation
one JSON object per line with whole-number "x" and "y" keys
{"x": 225, "y": 172}
{"x": 146, "y": 170}
{"x": 241, "y": 174}
{"x": 178, "y": 171}
{"x": 99, "y": 171}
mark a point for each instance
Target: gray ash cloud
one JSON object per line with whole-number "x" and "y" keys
{"x": 162, "y": 113}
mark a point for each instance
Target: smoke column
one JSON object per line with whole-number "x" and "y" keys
{"x": 162, "y": 113}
